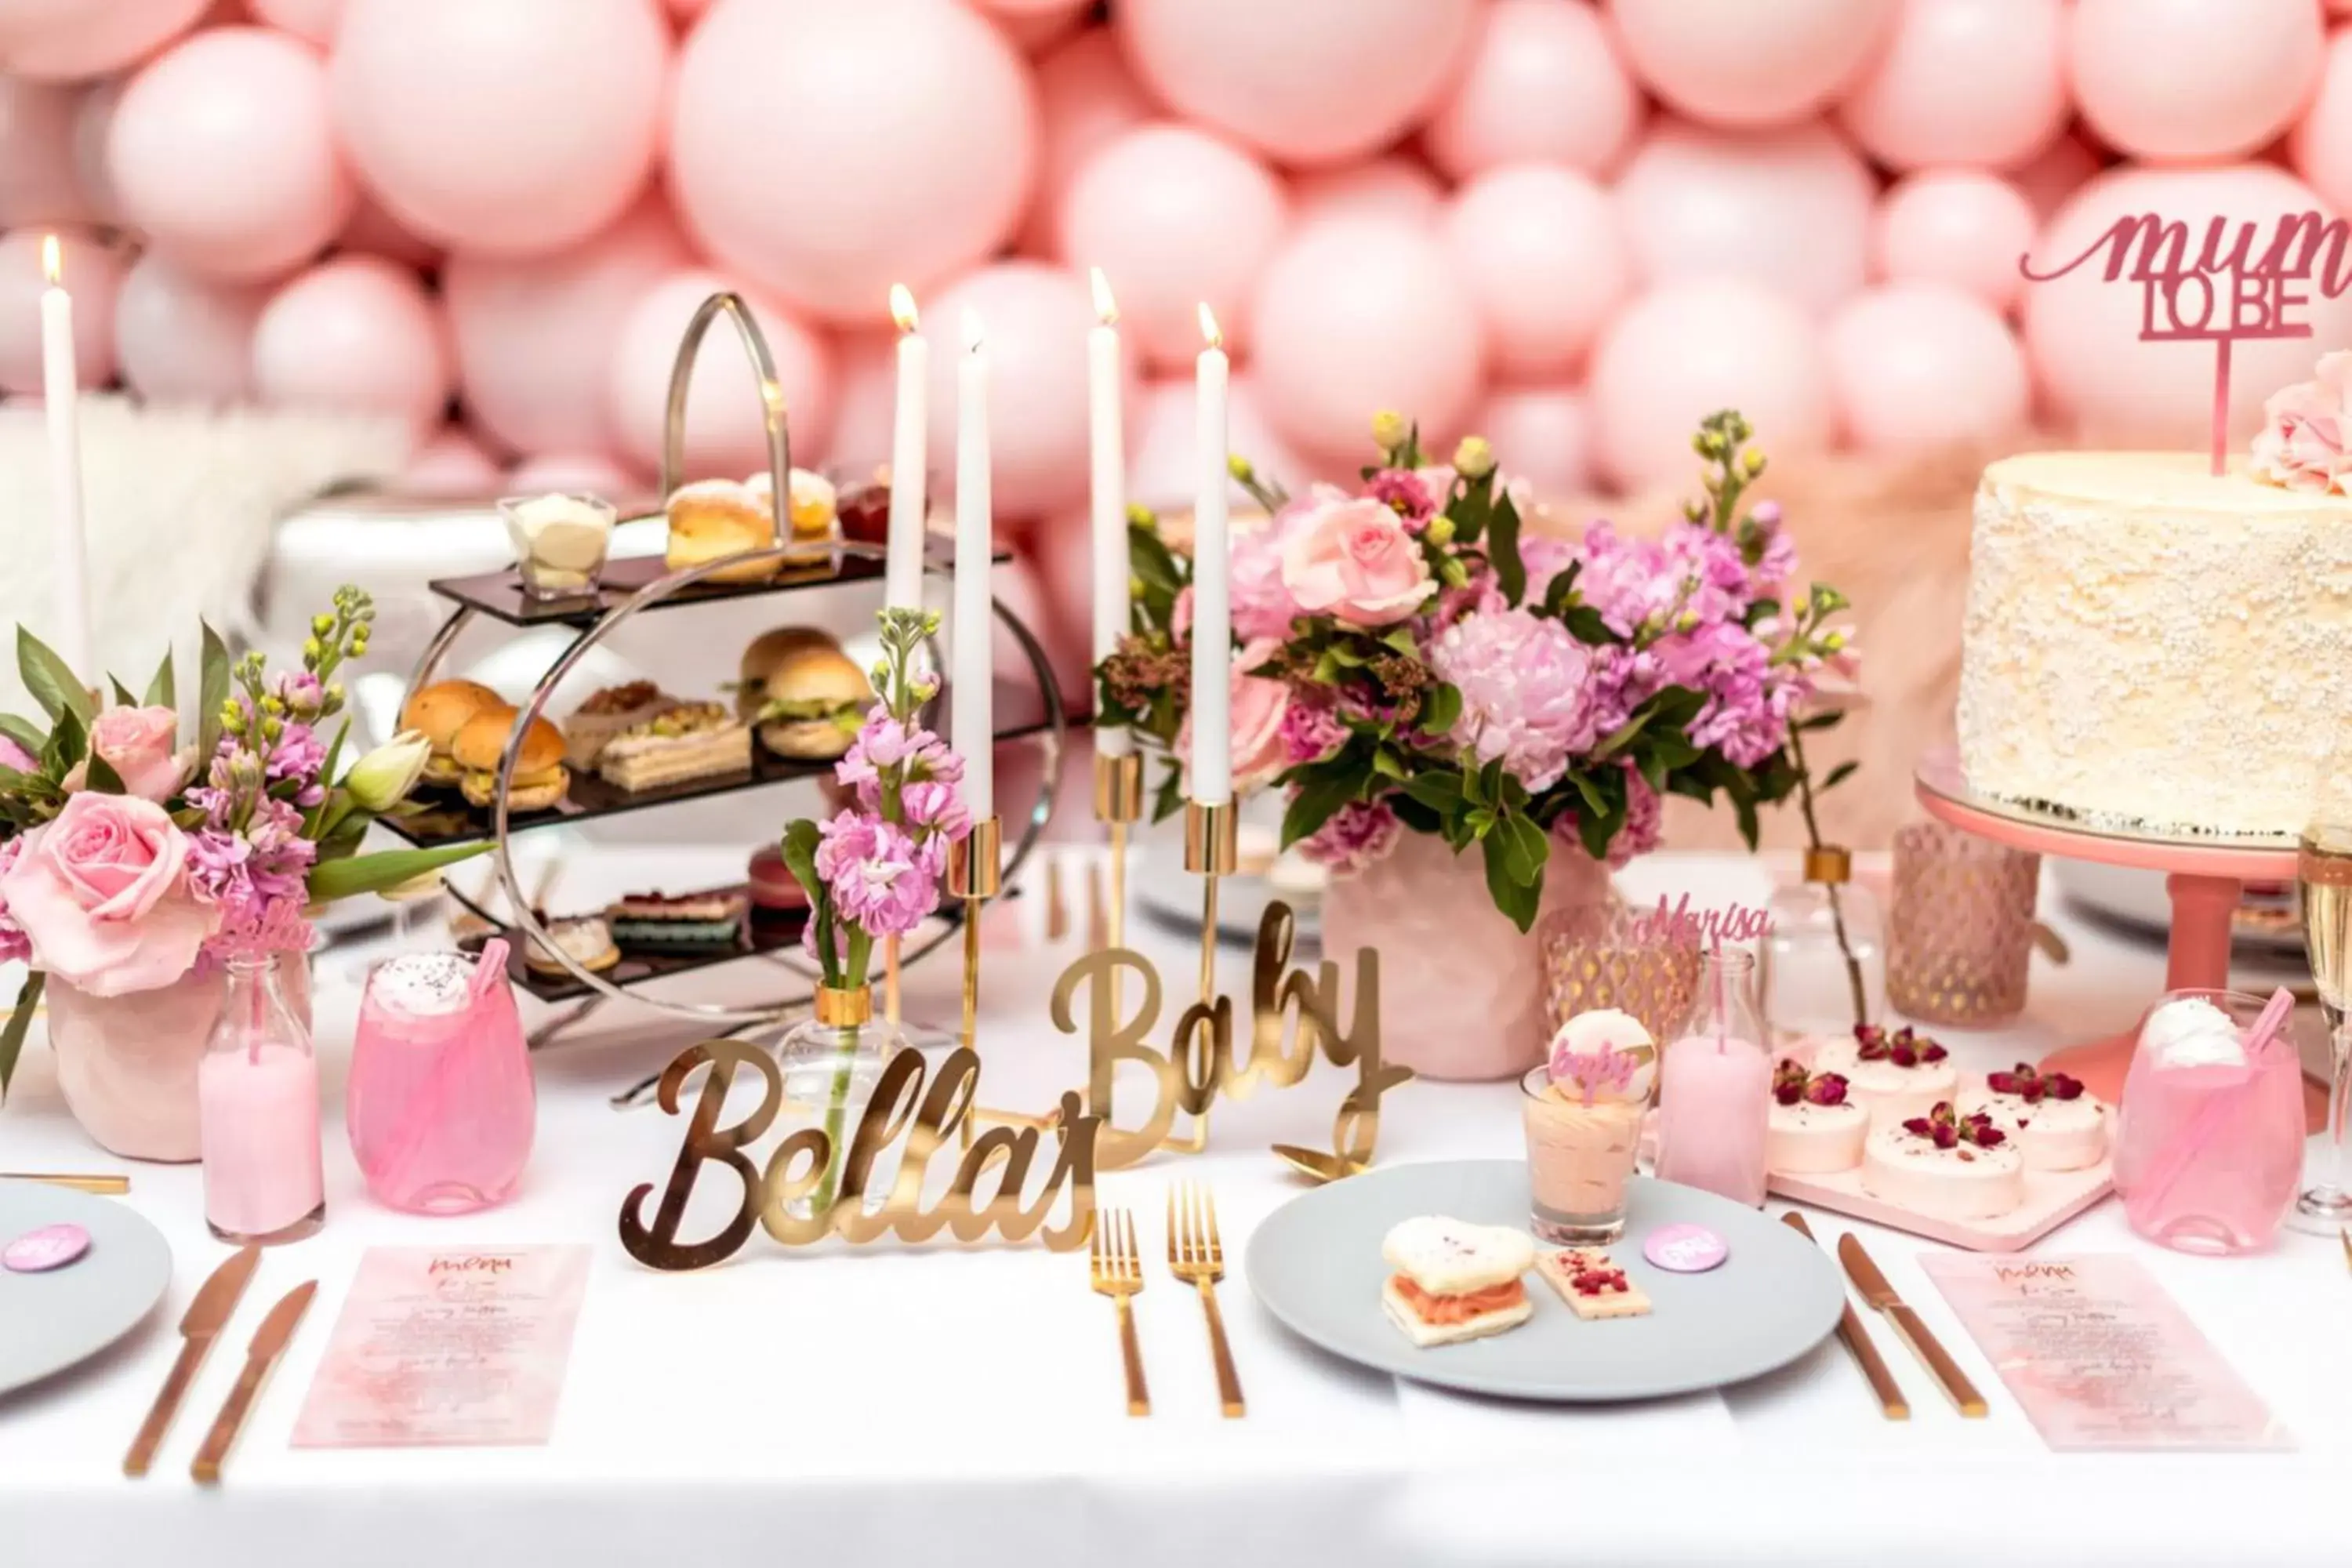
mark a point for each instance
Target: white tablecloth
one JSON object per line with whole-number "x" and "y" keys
{"x": 893, "y": 1407}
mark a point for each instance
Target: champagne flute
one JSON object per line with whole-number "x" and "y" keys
{"x": 2323, "y": 885}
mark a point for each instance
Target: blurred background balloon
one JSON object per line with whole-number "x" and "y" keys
{"x": 1974, "y": 82}
{"x": 1961, "y": 226}
{"x": 1164, "y": 457}
{"x": 1396, "y": 187}
{"x": 1544, "y": 435}
{"x": 1541, "y": 253}
{"x": 452, "y": 464}
{"x": 2322, "y": 144}
{"x": 573, "y": 473}
{"x": 313, "y": 19}
{"x": 184, "y": 338}
{"x": 2194, "y": 80}
{"x": 1543, "y": 82}
{"x": 1086, "y": 97}
{"x": 1919, "y": 366}
{"x": 1737, "y": 63}
{"x": 93, "y": 270}
{"x": 68, "y": 40}
{"x": 725, "y": 434}
{"x": 356, "y": 334}
{"x": 37, "y": 168}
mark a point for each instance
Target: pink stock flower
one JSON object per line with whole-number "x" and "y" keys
{"x": 1527, "y": 692}
{"x": 1356, "y": 836}
{"x": 101, "y": 893}
{"x": 936, "y": 805}
{"x": 1261, "y": 707}
{"x": 2305, "y": 442}
{"x": 878, "y": 877}
{"x": 13, "y": 755}
{"x": 1628, "y": 581}
{"x": 1355, "y": 560}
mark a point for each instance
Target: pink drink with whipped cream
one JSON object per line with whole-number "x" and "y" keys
{"x": 440, "y": 1101}
{"x": 2209, "y": 1139}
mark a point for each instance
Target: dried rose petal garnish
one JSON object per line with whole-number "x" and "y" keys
{"x": 1792, "y": 1084}
{"x": 2032, "y": 1087}
{"x": 1904, "y": 1048}
{"x": 1947, "y": 1131}
{"x": 1826, "y": 1088}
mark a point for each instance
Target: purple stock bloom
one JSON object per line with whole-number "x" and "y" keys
{"x": 299, "y": 754}
{"x": 937, "y": 805}
{"x": 876, "y": 874}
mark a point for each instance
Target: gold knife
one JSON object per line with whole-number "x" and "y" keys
{"x": 109, "y": 1186}
{"x": 1932, "y": 1354}
{"x": 269, "y": 1343}
{"x": 1856, "y": 1340}
{"x": 209, "y": 1313}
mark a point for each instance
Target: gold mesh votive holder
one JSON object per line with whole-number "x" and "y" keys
{"x": 1614, "y": 956}
{"x": 1962, "y": 933}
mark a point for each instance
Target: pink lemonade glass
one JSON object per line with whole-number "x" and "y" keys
{"x": 440, "y": 1101}
{"x": 2209, "y": 1139}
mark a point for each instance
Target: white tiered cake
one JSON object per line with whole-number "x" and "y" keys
{"x": 2151, "y": 646}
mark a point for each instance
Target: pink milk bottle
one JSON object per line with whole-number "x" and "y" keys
{"x": 257, "y": 1113}
{"x": 2209, "y": 1139}
{"x": 440, "y": 1102}
{"x": 1715, "y": 1088}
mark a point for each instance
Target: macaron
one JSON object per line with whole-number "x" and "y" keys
{"x": 774, "y": 887}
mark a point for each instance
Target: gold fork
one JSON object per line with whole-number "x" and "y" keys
{"x": 1118, "y": 1268}
{"x": 1196, "y": 1256}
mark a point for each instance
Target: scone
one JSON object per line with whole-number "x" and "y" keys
{"x": 812, "y": 509}
{"x": 1455, "y": 1281}
{"x": 712, "y": 519}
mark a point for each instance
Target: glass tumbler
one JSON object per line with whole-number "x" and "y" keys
{"x": 1618, "y": 957}
{"x": 1962, "y": 936}
{"x": 560, "y": 542}
{"x": 440, "y": 1101}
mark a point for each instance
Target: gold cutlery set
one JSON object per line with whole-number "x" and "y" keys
{"x": 207, "y": 1316}
{"x": 1882, "y": 1297}
{"x": 1196, "y": 1256}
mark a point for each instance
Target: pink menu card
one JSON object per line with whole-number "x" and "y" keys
{"x": 2098, "y": 1354}
{"x": 462, "y": 1346}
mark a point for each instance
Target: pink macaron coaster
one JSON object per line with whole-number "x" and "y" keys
{"x": 1684, "y": 1248}
{"x": 50, "y": 1246}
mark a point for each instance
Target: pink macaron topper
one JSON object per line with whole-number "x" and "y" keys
{"x": 1604, "y": 1055}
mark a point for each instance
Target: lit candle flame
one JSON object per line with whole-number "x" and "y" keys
{"x": 902, "y": 307}
{"x": 971, "y": 334}
{"x": 1208, "y": 327}
{"x": 1105, "y": 306}
{"x": 52, "y": 267}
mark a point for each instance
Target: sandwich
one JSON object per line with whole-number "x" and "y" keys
{"x": 803, "y": 693}
{"x": 1455, "y": 1281}
{"x": 606, "y": 714}
{"x": 713, "y": 519}
{"x": 684, "y": 742}
{"x": 539, "y": 779}
{"x": 437, "y": 713}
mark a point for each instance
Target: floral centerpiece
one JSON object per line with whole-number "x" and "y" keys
{"x": 872, "y": 872}
{"x": 132, "y": 865}
{"x": 1425, "y": 680}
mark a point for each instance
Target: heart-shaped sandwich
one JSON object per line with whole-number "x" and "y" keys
{"x": 1455, "y": 1280}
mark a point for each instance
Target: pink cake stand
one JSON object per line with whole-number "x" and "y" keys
{"x": 2203, "y": 876}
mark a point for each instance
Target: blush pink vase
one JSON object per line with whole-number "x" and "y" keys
{"x": 1462, "y": 988}
{"x": 127, "y": 1065}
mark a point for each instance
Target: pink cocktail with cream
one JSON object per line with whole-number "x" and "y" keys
{"x": 440, "y": 1101}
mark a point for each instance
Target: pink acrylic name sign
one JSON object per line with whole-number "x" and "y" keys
{"x": 2233, "y": 287}
{"x": 39, "y": 1251}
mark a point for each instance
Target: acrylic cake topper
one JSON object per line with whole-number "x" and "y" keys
{"x": 2226, "y": 290}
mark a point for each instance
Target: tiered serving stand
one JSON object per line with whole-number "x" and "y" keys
{"x": 634, "y": 587}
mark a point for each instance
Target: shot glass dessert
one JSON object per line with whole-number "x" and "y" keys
{"x": 1583, "y": 1111}
{"x": 560, "y": 542}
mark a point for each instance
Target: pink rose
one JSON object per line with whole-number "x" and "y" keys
{"x": 136, "y": 742}
{"x": 1356, "y": 561}
{"x": 102, "y": 895}
{"x": 2305, "y": 442}
{"x": 1260, "y": 705}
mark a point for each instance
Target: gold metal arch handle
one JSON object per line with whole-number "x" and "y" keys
{"x": 771, "y": 399}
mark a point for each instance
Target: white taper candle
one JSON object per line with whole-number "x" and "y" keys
{"x": 1212, "y": 639}
{"x": 910, "y": 492}
{"x": 60, "y": 393}
{"x": 1107, "y": 429}
{"x": 972, "y": 688}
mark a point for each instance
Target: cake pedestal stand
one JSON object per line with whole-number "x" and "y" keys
{"x": 2203, "y": 876}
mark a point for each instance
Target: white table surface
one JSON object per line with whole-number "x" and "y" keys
{"x": 892, "y": 1406}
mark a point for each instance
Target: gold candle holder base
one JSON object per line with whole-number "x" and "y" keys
{"x": 1118, "y": 804}
{"x": 975, "y": 874}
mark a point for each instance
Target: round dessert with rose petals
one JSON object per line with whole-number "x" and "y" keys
{"x": 1893, "y": 1076}
{"x": 2054, "y": 1124}
{"x": 1956, "y": 1169}
{"x": 1812, "y": 1127}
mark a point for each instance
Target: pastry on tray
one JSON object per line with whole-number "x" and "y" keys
{"x": 437, "y": 713}
{"x": 1812, "y": 1127}
{"x": 1592, "y": 1286}
{"x": 539, "y": 783}
{"x": 774, "y": 887}
{"x": 605, "y": 714}
{"x": 1893, "y": 1074}
{"x": 1455, "y": 1281}
{"x": 584, "y": 939}
{"x": 684, "y": 742}
{"x": 689, "y": 921}
{"x": 1945, "y": 1166}
{"x": 712, "y": 519}
{"x": 2055, "y": 1125}
{"x": 804, "y": 694}
{"x": 812, "y": 509}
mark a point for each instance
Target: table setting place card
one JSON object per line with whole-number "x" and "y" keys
{"x": 2100, "y": 1356}
{"x": 463, "y": 1346}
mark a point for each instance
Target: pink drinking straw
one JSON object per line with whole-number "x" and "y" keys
{"x": 2266, "y": 1026}
{"x": 1722, "y": 1045}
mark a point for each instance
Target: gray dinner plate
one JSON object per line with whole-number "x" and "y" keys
{"x": 53, "y": 1321}
{"x": 1315, "y": 1264}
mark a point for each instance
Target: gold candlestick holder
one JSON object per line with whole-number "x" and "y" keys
{"x": 1119, "y": 805}
{"x": 975, "y": 870}
{"x": 1211, "y": 850}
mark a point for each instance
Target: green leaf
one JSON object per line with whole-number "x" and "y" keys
{"x": 163, "y": 691}
{"x": 1386, "y": 765}
{"x": 23, "y": 732}
{"x": 1440, "y": 792}
{"x": 335, "y": 751}
{"x": 1441, "y": 710}
{"x": 1837, "y": 776}
{"x": 104, "y": 778}
{"x": 1561, "y": 589}
{"x": 1587, "y": 792}
{"x": 1319, "y": 797}
{"x": 1617, "y": 739}
{"x": 1503, "y": 551}
{"x": 1525, "y": 848}
{"x": 12, "y": 1034}
{"x": 1170, "y": 798}
{"x": 1516, "y": 899}
{"x": 1149, "y": 558}
{"x": 68, "y": 743}
{"x": 387, "y": 869}
{"x": 55, "y": 688}
{"x": 1585, "y": 624}
{"x": 122, "y": 697}
{"x": 211, "y": 693}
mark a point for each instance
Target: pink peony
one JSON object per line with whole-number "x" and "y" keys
{"x": 136, "y": 742}
{"x": 13, "y": 755}
{"x": 1527, "y": 693}
{"x": 102, "y": 895}
{"x": 1311, "y": 731}
{"x": 2305, "y": 442}
{"x": 1355, "y": 560}
{"x": 1260, "y": 709}
{"x": 1356, "y": 836}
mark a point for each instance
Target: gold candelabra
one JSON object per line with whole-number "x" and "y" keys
{"x": 974, "y": 872}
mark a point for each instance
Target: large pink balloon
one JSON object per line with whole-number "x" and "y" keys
{"x": 93, "y": 273}
{"x": 864, "y": 402}
{"x": 313, "y": 19}
{"x": 1175, "y": 217}
{"x": 2178, "y": 80}
{"x": 1396, "y": 185}
{"x": 535, "y": 335}
{"x": 2082, "y": 333}
{"x": 726, "y": 436}
{"x": 1689, "y": 348}
{"x": 2322, "y": 144}
{"x": 1542, "y": 434}
{"x": 186, "y": 338}
{"x": 1358, "y": 314}
{"x": 1789, "y": 208}
{"x": 583, "y": 473}
{"x": 1735, "y": 62}
{"x": 1034, "y": 320}
{"x": 1309, "y": 81}
{"x": 906, "y": 155}
{"x": 451, "y": 466}
{"x": 93, "y": 129}
{"x": 2057, "y": 173}
{"x": 1541, "y": 251}
{"x": 356, "y": 334}
{"x": 1544, "y": 82}
{"x": 1163, "y": 468}
{"x": 1086, "y": 97}
{"x": 378, "y": 232}
{"x": 1979, "y": 82}
{"x": 1960, "y": 227}
{"x": 1920, "y": 366}
{"x": 36, "y": 169}
{"x": 223, "y": 151}
{"x": 515, "y": 127}
{"x": 68, "y": 40}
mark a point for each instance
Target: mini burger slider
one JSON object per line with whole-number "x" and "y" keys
{"x": 1455, "y": 1281}
{"x": 539, "y": 779}
{"x": 806, "y": 697}
{"x": 438, "y": 712}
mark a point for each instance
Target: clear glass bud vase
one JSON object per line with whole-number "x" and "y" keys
{"x": 831, "y": 1061}
{"x": 1824, "y": 953}
{"x": 258, "y": 1108}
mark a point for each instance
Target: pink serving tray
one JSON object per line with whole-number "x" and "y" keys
{"x": 2051, "y": 1198}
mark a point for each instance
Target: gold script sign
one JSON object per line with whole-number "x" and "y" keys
{"x": 1293, "y": 1017}
{"x": 796, "y": 1169}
